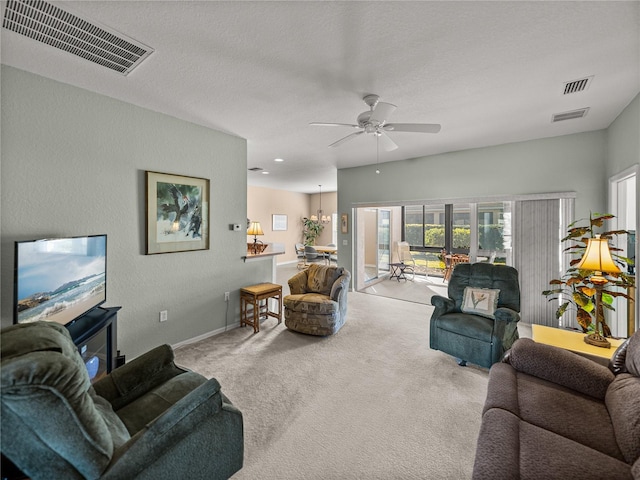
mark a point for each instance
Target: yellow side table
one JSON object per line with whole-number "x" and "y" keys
{"x": 573, "y": 341}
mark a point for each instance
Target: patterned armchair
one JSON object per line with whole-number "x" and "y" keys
{"x": 318, "y": 301}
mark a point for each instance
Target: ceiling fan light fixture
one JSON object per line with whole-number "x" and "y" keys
{"x": 374, "y": 122}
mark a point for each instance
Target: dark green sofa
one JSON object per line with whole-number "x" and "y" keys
{"x": 148, "y": 419}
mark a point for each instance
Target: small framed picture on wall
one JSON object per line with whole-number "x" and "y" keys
{"x": 344, "y": 223}
{"x": 279, "y": 223}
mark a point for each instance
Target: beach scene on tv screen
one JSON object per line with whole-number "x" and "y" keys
{"x": 59, "y": 280}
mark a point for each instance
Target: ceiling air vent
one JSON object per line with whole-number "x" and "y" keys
{"x": 58, "y": 28}
{"x": 576, "y": 86}
{"x": 558, "y": 117}
{"x": 255, "y": 169}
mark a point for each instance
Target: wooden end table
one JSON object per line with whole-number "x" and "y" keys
{"x": 574, "y": 341}
{"x": 254, "y": 304}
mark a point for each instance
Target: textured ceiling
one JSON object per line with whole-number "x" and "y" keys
{"x": 488, "y": 72}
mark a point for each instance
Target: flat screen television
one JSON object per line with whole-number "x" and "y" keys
{"x": 59, "y": 279}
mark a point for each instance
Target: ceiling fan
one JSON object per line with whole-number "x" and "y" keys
{"x": 374, "y": 121}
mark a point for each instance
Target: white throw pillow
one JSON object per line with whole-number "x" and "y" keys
{"x": 481, "y": 301}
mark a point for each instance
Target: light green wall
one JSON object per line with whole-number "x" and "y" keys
{"x": 73, "y": 163}
{"x": 624, "y": 139}
{"x": 571, "y": 163}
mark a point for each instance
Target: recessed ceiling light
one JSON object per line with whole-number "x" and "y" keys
{"x": 265, "y": 173}
{"x": 278, "y": 159}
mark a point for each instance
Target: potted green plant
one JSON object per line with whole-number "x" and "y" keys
{"x": 311, "y": 230}
{"x": 576, "y": 286}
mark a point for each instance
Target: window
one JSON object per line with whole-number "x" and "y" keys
{"x": 494, "y": 229}
{"x": 461, "y": 233}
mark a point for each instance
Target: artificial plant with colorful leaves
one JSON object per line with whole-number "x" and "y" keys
{"x": 575, "y": 285}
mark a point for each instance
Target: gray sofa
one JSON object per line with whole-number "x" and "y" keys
{"x": 551, "y": 414}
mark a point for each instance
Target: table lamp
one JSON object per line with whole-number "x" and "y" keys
{"x": 255, "y": 229}
{"x": 598, "y": 258}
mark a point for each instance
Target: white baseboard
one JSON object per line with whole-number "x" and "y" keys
{"x": 205, "y": 335}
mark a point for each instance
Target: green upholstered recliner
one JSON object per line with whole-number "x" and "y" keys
{"x": 318, "y": 301}
{"x": 474, "y": 338}
{"x": 147, "y": 419}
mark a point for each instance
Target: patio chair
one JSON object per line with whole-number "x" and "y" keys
{"x": 403, "y": 251}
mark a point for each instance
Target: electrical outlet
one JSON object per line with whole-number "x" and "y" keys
{"x": 164, "y": 315}
{"x": 345, "y": 242}
{"x": 226, "y": 296}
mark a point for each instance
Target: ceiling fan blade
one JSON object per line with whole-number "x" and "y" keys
{"x": 320, "y": 124}
{"x": 412, "y": 127}
{"x": 382, "y": 111}
{"x": 345, "y": 139}
{"x": 387, "y": 143}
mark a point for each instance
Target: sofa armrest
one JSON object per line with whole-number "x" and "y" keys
{"x": 203, "y": 421}
{"x": 442, "y": 305}
{"x": 298, "y": 283}
{"x": 504, "y": 314}
{"x": 132, "y": 380}
{"x": 559, "y": 366}
{"x": 339, "y": 286}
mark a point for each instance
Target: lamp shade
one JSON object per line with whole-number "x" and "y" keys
{"x": 597, "y": 257}
{"x": 255, "y": 229}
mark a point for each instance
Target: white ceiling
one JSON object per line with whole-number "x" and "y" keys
{"x": 488, "y": 72}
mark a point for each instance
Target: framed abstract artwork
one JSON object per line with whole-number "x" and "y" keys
{"x": 177, "y": 209}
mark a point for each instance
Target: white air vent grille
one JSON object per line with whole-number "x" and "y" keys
{"x": 49, "y": 24}
{"x": 576, "y": 86}
{"x": 558, "y": 117}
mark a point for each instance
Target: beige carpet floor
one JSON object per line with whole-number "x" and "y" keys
{"x": 371, "y": 402}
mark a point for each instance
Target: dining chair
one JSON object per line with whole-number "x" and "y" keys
{"x": 454, "y": 259}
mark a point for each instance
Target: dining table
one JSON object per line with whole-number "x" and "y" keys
{"x": 326, "y": 251}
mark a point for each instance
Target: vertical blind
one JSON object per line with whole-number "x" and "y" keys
{"x": 537, "y": 257}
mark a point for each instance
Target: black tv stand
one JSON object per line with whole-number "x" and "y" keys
{"x": 95, "y": 335}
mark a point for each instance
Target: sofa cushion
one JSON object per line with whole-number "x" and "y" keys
{"x": 313, "y": 303}
{"x": 509, "y": 448}
{"x": 467, "y": 325}
{"x": 147, "y": 408}
{"x": 320, "y": 278}
{"x": 486, "y": 275}
{"x": 574, "y": 372}
{"x": 623, "y": 403}
{"x": 481, "y": 301}
{"x": 578, "y": 417}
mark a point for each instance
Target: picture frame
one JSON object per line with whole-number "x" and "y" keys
{"x": 344, "y": 223}
{"x": 279, "y": 222}
{"x": 177, "y": 213}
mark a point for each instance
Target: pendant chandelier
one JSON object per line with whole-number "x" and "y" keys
{"x": 320, "y": 216}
